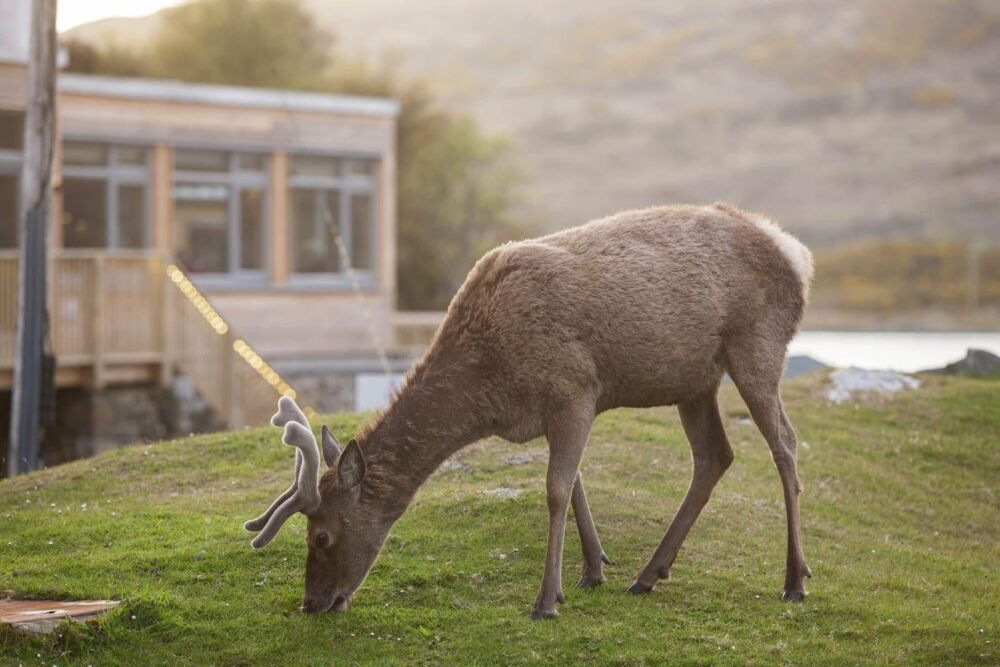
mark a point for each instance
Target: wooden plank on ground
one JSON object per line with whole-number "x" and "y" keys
{"x": 45, "y": 615}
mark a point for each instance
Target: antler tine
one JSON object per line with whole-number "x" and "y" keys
{"x": 305, "y": 497}
{"x": 288, "y": 411}
{"x": 297, "y": 435}
{"x": 277, "y": 520}
{"x": 303, "y": 494}
{"x": 254, "y": 525}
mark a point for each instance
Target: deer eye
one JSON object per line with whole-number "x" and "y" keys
{"x": 321, "y": 540}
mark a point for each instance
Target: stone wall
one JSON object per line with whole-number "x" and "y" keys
{"x": 89, "y": 422}
{"x": 327, "y": 393}
{"x": 329, "y": 386}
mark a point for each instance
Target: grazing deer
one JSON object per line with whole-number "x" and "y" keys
{"x": 644, "y": 308}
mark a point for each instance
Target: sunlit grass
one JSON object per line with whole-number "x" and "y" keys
{"x": 902, "y": 531}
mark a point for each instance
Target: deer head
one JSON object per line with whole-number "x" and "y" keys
{"x": 343, "y": 535}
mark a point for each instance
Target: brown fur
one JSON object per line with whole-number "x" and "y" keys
{"x": 643, "y": 308}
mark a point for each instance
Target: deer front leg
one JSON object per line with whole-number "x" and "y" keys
{"x": 712, "y": 456}
{"x": 567, "y": 434}
{"x": 594, "y": 557}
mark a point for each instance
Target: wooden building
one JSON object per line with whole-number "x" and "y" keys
{"x": 220, "y": 232}
{"x": 248, "y": 191}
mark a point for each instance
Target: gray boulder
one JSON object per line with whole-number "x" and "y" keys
{"x": 977, "y": 363}
{"x": 800, "y": 364}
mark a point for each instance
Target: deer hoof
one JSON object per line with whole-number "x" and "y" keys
{"x": 639, "y": 587}
{"x": 543, "y": 614}
{"x": 793, "y": 596}
{"x": 605, "y": 559}
{"x": 588, "y": 581}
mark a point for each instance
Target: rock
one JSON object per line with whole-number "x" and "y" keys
{"x": 801, "y": 364}
{"x": 798, "y": 364}
{"x": 977, "y": 363}
{"x": 453, "y": 465}
{"x": 519, "y": 459}
{"x": 504, "y": 492}
{"x": 850, "y": 381}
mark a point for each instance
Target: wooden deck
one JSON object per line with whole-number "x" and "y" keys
{"x": 131, "y": 318}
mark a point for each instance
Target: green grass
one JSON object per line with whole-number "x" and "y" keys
{"x": 901, "y": 522}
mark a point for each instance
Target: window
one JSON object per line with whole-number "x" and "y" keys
{"x": 332, "y": 198}
{"x": 194, "y": 160}
{"x": 104, "y": 196}
{"x": 251, "y": 228}
{"x": 11, "y": 141}
{"x": 11, "y": 130}
{"x": 362, "y": 224}
{"x": 220, "y": 212}
{"x": 8, "y": 210}
{"x": 314, "y": 215}
{"x": 85, "y": 213}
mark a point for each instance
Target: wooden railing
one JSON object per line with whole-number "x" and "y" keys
{"x": 130, "y": 317}
{"x": 223, "y": 367}
{"x": 106, "y": 314}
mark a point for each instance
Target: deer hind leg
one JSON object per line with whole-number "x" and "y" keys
{"x": 594, "y": 557}
{"x": 712, "y": 456}
{"x": 756, "y": 371}
{"x": 567, "y": 433}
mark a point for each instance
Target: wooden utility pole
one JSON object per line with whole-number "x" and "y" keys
{"x": 36, "y": 189}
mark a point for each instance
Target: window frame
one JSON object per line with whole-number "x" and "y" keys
{"x": 347, "y": 185}
{"x": 236, "y": 180}
{"x": 114, "y": 175}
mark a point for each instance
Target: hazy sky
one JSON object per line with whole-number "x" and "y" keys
{"x": 72, "y": 13}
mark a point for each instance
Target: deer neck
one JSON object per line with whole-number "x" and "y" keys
{"x": 428, "y": 422}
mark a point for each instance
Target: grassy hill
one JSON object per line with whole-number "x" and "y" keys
{"x": 843, "y": 120}
{"x": 901, "y": 519}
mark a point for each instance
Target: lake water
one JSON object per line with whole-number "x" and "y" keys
{"x": 898, "y": 351}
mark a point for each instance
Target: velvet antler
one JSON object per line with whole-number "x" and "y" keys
{"x": 303, "y": 494}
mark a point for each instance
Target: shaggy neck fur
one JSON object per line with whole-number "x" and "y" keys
{"x": 426, "y": 423}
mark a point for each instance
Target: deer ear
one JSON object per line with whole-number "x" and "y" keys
{"x": 351, "y": 468}
{"x": 331, "y": 448}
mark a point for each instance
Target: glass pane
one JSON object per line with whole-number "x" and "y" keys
{"x": 11, "y": 130}
{"x": 361, "y": 167}
{"x": 189, "y": 160}
{"x": 132, "y": 216}
{"x": 251, "y": 229}
{"x": 85, "y": 154}
{"x": 131, "y": 155}
{"x": 251, "y": 162}
{"x": 85, "y": 213}
{"x": 8, "y": 210}
{"x": 201, "y": 227}
{"x": 361, "y": 231}
{"x": 329, "y": 228}
{"x": 314, "y": 250}
{"x": 311, "y": 165}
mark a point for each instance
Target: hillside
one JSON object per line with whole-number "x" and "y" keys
{"x": 900, "y": 518}
{"x": 842, "y": 120}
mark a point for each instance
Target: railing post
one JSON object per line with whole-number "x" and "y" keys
{"x": 167, "y": 333}
{"x": 228, "y": 398}
{"x": 98, "y": 323}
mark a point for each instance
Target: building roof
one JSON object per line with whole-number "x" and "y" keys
{"x": 161, "y": 90}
